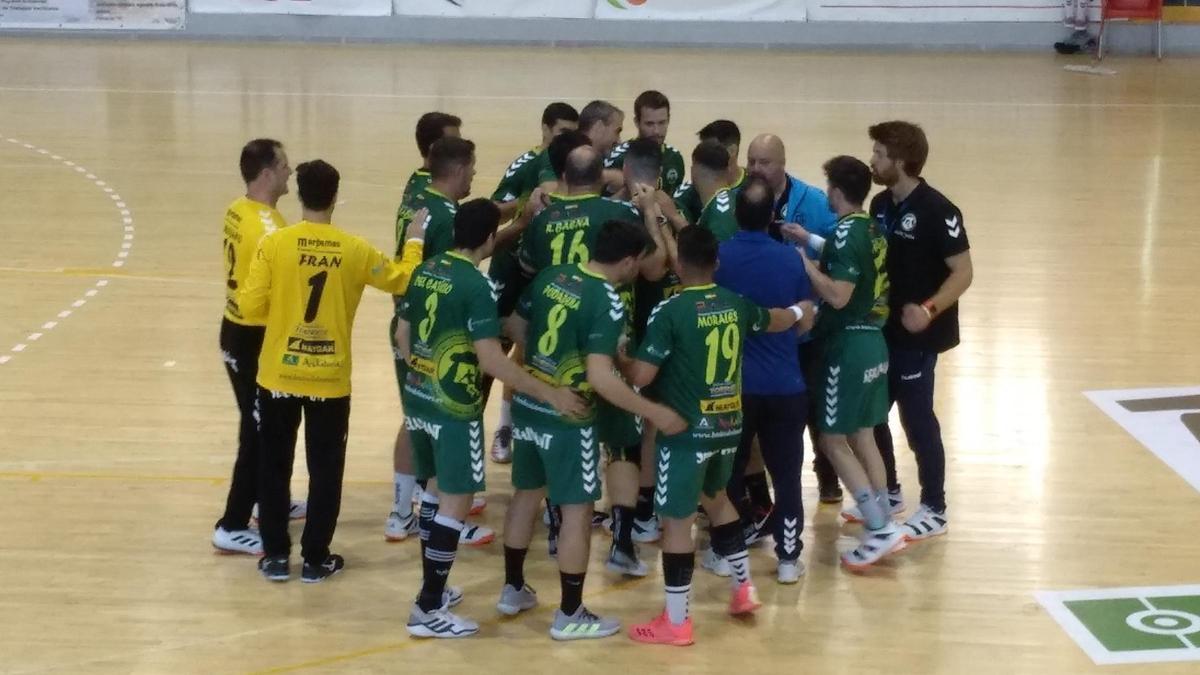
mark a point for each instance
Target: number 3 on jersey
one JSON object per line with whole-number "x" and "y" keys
{"x": 425, "y": 328}
{"x": 578, "y": 252}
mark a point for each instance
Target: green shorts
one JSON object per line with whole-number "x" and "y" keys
{"x": 853, "y": 382}
{"x": 505, "y": 272}
{"x": 618, "y": 429}
{"x": 563, "y": 459}
{"x": 683, "y": 473}
{"x": 450, "y": 450}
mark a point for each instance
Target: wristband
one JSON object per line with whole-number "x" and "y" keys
{"x": 797, "y": 312}
{"x": 816, "y": 241}
{"x": 930, "y": 308}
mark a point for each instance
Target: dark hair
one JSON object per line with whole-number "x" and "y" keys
{"x": 432, "y": 127}
{"x": 698, "y": 248}
{"x": 317, "y": 182}
{"x": 474, "y": 222}
{"x": 596, "y": 112}
{"x": 724, "y": 132}
{"x": 650, "y": 100}
{"x": 620, "y": 239}
{"x": 905, "y": 142}
{"x": 558, "y": 111}
{"x": 257, "y": 155}
{"x": 448, "y": 154}
{"x": 644, "y": 158}
{"x": 711, "y": 155}
{"x": 754, "y": 206}
{"x": 585, "y": 166}
{"x": 562, "y": 145}
{"x": 849, "y": 175}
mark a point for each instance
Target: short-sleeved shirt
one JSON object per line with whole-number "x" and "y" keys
{"x": 449, "y": 306}
{"x": 521, "y": 177}
{"x": 923, "y": 231}
{"x": 566, "y": 230}
{"x": 246, "y": 222}
{"x": 571, "y": 312}
{"x": 439, "y": 227}
{"x": 417, "y": 182}
{"x": 718, "y": 215}
{"x": 856, "y": 252}
{"x": 670, "y": 177}
{"x": 696, "y": 339}
{"x": 770, "y": 274}
{"x": 687, "y": 198}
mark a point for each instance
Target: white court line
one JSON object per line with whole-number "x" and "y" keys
{"x": 582, "y": 97}
{"x": 126, "y": 245}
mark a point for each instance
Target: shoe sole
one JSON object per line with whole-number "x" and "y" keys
{"x": 317, "y": 580}
{"x": 277, "y": 578}
{"x": 480, "y": 542}
{"x": 625, "y": 571}
{"x": 743, "y": 611}
{"x": 422, "y": 632}
{"x": 724, "y": 574}
{"x": 231, "y": 551}
{"x": 912, "y": 539}
{"x": 512, "y": 610}
{"x": 860, "y": 567}
{"x": 476, "y": 510}
{"x": 393, "y": 539}
{"x": 567, "y": 637}
{"x": 669, "y": 643}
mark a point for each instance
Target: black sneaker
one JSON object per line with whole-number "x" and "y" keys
{"x": 274, "y": 569}
{"x": 831, "y": 495}
{"x": 317, "y": 573}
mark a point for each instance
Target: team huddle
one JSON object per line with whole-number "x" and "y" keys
{"x": 662, "y": 342}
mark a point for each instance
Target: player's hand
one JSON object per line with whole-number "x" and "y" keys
{"x": 416, "y": 226}
{"x": 643, "y": 195}
{"x": 915, "y": 318}
{"x": 567, "y": 402}
{"x": 538, "y": 201}
{"x": 794, "y": 232}
{"x": 668, "y": 422}
{"x": 809, "y": 265}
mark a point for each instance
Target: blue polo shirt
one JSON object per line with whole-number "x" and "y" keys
{"x": 771, "y": 274}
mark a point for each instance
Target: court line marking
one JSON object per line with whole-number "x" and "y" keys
{"x": 513, "y": 97}
{"x": 88, "y": 272}
{"x": 122, "y": 254}
{"x": 1054, "y": 603}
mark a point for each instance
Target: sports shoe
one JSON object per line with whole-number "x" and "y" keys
{"x": 439, "y": 623}
{"x": 716, "y": 564}
{"x": 647, "y": 531}
{"x": 476, "y": 535}
{"x": 660, "y": 631}
{"x": 452, "y": 596}
{"x": 895, "y": 499}
{"x": 513, "y": 601}
{"x": 274, "y": 569}
{"x": 502, "y": 445}
{"x": 789, "y": 571}
{"x": 744, "y": 599}
{"x": 831, "y": 495}
{"x": 874, "y": 547}
{"x": 758, "y": 530}
{"x": 399, "y": 528}
{"x": 298, "y": 510}
{"x": 314, "y": 574}
{"x": 623, "y": 563}
{"x": 478, "y": 504}
{"x": 925, "y": 523}
{"x": 237, "y": 541}
{"x": 582, "y": 625}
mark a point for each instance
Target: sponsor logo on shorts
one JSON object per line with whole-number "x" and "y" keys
{"x": 875, "y": 373}
{"x": 529, "y": 434}
{"x": 418, "y": 424}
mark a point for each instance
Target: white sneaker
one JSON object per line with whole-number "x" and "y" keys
{"x": 925, "y": 523}
{"x": 513, "y": 601}
{"x": 478, "y": 504}
{"x": 440, "y": 623}
{"x": 874, "y": 547}
{"x": 716, "y": 564}
{"x": 452, "y": 596}
{"x": 502, "y": 445}
{"x": 238, "y": 541}
{"x": 298, "y": 510}
{"x": 476, "y": 535}
{"x": 789, "y": 571}
{"x": 853, "y": 514}
{"x": 623, "y": 563}
{"x": 398, "y": 527}
{"x": 647, "y": 531}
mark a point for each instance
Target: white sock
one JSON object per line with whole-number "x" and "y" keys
{"x": 677, "y": 603}
{"x": 404, "y": 484}
{"x": 740, "y": 564}
{"x": 505, "y": 413}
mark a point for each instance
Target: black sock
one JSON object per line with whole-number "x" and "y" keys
{"x": 623, "y": 529}
{"x": 572, "y": 592}
{"x": 514, "y": 567}
{"x": 645, "y": 503}
{"x": 425, "y": 516}
{"x": 725, "y": 538}
{"x": 759, "y": 491}
{"x": 439, "y": 557}
{"x": 677, "y": 575}
{"x": 555, "y": 519}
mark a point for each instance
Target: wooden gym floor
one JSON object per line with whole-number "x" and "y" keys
{"x": 118, "y": 423}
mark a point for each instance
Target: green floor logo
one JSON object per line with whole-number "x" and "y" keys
{"x": 1130, "y": 625}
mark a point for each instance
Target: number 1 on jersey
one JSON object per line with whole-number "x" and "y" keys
{"x": 317, "y": 281}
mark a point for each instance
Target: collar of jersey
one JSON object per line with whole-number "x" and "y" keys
{"x": 590, "y": 273}
{"x": 710, "y": 199}
{"x": 421, "y": 172}
{"x": 741, "y": 179}
{"x": 456, "y": 254}
{"x": 848, "y": 216}
{"x": 702, "y": 287}
{"x": 572, "y": 198}
{"x": 430, "y": 190}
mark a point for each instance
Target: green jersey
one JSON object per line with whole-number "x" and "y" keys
{"x": 671, "y": 175}
{"x": 687, "y": 198}
{"x": 417, "y": 182}
{"x": 718, "y": 216}
{"x": 521, "y": 177}
{"x": 566, "y": 230}
{"x": 856, "y": 252}
{"x": 696, "y": 340}
{"x": 439, "y": 227}
{"x": 449, "y": 305}
{"x": 572, "y": 312}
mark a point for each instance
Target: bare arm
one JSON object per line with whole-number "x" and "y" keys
{"x": 642, "y": 373}
{"x": 509, "y": 235}
{"x": 654, "y": 266}
{"x": 607, "y": 383}
{"x": 783, "y": 319}
{"x": 515, "y": 327}
{"x": 496, "y": 363}
{"x": 403, "y": 330}
{"x": 836, "y": 293}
